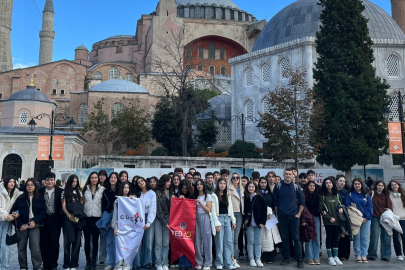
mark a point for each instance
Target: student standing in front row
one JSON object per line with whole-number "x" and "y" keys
{"x": 289, "y": 203}
{"x": 397, "y": 196}
{"x": 31, "y": 211}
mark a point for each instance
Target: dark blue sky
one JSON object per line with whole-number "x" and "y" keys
{"x": 85, "y": 22}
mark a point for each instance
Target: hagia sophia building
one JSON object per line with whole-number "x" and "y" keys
{"x": 241, "y": 57}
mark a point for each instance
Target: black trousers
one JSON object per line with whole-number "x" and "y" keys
{"x": 91, "y": 232}
{"x": 344, "y": 247}
{"x": 49, "y": 241}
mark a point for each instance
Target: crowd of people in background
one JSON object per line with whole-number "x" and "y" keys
{"x": 232, "y": 212}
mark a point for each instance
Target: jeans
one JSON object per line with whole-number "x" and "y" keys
{"x": 223, "y": 242}
{"x": 235, "y": 233}
{"x": 162, "y": 239}
{"x": 312, "y": 247}
{"x": 102, "y": 251}
{"x": 360, "y": 241}
{"x": 254, "y": 244}
{"x": 287, "y": 225}
{"x": 4, "y": 249}
{"x": 184, "y": 262}
{"x": 91, "y": 233}
{"x": 397, "y": 235}
{"x": 377, "y": 230}
{"x": 111, "y": 247}
{"x": 144, "y": 256}
{"x": 71, "y": 251}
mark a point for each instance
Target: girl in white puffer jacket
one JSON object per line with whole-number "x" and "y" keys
{"x": 8, "y": 194}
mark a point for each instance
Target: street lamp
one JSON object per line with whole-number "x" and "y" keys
{"x": 242, "y": 120}
{"x": 51, "y": 117}
{"x": 386, "y": 113}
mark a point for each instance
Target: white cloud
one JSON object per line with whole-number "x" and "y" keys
{"x": 20, "y": 65}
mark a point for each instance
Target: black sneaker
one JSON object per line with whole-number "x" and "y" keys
{"x": 300, "y": 264}
{"x": 285, "y": 262}
{"x": 371, "y": 258}
{"x": 385, "y": 259}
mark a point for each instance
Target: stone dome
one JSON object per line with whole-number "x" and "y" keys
{"x": 301, "y": 19}
{"x": 121, "y": 86}
{"x": 81, "y": 47}
{"x": 221, "y": 105}
{"x": 29, "y": 94}
{"x": 224, "y": 3}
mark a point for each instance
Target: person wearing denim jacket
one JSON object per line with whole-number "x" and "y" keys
{"x": 359, "y": 198}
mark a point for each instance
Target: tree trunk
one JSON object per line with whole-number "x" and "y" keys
{"x": 184, "y": 134}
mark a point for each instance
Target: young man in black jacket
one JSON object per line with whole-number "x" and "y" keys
{"x": 50, "y": 231}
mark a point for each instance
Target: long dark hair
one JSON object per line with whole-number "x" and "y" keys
{"x": 267, "y": 186}
{"x": 108, "y": 184}
{"x": 122, "y": 185}
{"x": 400, "y": 190}
{"x": 189, "y": 188}
{"x": 385, "y": 190}
{"x": 69, "y": 195}
{"x": 363, "y": 190}
{"x": 25, "y": 192}
{"x": 88, "y": 182}
{"x": 195, "y": 195}
{"x": 137, "y": 189}
{"x": 308, "y": 194}
{"x": 121, "y": 173}
{"x": 217, "y": 191}
{"x": 257, "y": 191}
{"x": 324, "y": 189}
{"x": 162, "y": 182}
{"x": 6, "y": 180}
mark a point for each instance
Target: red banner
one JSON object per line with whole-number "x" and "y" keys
{"x": 182, "y": 227}
{"x": 395, "y": 137}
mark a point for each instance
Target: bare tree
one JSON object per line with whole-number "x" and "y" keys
{"x": 174, "y": 67}
{"x": 286, "y": 123}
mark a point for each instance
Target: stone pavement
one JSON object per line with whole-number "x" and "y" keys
{"x": 351, "y": 264}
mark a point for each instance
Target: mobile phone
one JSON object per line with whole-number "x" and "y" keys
{"x": 16, "y": 212}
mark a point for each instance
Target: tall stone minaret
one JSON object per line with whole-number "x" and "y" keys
{"x": 6, "y": 11}
{"x": 47, "y": 34}
{"x": 398, "y": 12}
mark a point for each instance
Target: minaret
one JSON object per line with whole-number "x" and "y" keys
{"x": 47, "y": 34}
{"x": 6, "y": 11}
{"x": 398, "y": 12}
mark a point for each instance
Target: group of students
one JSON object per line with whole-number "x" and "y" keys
{"x": 231, "y": 216}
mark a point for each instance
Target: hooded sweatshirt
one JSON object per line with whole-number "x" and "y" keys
{"x": 285, "y": 199}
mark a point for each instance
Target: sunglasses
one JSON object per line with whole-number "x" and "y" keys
{"x": 235, "y": 178}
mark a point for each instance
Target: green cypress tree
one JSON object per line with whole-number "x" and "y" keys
{"x": 348, "y": 127}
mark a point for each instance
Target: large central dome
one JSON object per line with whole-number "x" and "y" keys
{"x": 224, "y": 3}
{"x": 301, "y": 19}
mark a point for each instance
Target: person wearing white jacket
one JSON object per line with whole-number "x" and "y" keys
{"x": 8, "y": 194}
{"x": 222, "y": 215}
{"x": 397, "y": 196}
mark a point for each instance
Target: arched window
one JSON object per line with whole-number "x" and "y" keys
{"x": 24, "y": 118}
{"x": 98, "y": 76}
{"x": 284, "y": 68}
{"x": 116, "y": 109}
{"x": 200, "y": 67}
{"x": 249, "y": 77}
{"x": 128, "y": 77}
{"x": 113, "y": 73}
{"x": 12, "y": 165}
{"x": 223, "y": 70}
{"x": 201, "y": 52}
{"x": 82, "y": 116}
{"x": 212, "y": 70}
{"x": 211, "y": 51}
{"x": 266, "y": 73}
{"x": 249, "y": 110}
{"x": 222, "y": 54}
{"x": 265, "y": 105}
{"x": 189, "y": 54}
{"x": 392, "y": 63}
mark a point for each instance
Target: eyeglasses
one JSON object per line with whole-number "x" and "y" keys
{"x": 235, "y": 178}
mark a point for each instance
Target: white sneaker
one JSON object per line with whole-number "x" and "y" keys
{"x": 118, "y": 267}
{"x": 159, "y": 268}
{"x": 259, "y": 263}
{"x": 253, "y": 263}
{"x": 400, "y": 258}
{"x": 72, "y": 268}
{"x": 172, "y": 266}
{"x": 165, "y": 267}
{"x": 331, "y": 261}
{"x": 231, "y": 267}
{"x": 206, "y": 268}
{"x": 235, "y": 264}
{"x": 337, "y": 261}
{"x": 126, "y": 266}
{"x": 219, "y": 267}
{"x": 198, "y": 267}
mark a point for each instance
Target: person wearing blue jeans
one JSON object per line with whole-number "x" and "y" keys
{"x": 237, "y": 194}
{"x": 5, "y": 249}
{"x": 289, "y": 203}
{"x": 222, "y": 214}
{"x": 312, "y": 247}
{"x": 312, "y": 203}
{"x": 358, "y": 196}
{"x": 381, "y": 201}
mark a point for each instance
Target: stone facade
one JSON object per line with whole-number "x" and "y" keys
{"x": 47, "y": 34}
{"x": 6, "y": 7}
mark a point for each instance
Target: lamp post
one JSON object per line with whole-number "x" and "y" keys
{"x": 386, "y": 113}
{"x": 51, "y": 118}
{"x": 242, "y": 120}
